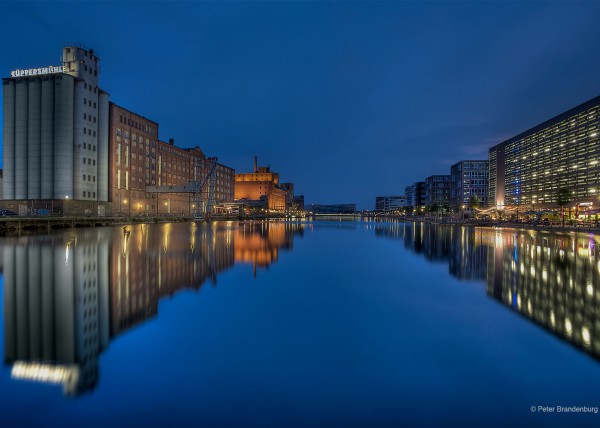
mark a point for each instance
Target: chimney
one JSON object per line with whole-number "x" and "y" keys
{"x": 255, "y": 163}
{"x": 171, "y": 141}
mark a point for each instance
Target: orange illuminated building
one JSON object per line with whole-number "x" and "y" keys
{"x": 261, "y": 185}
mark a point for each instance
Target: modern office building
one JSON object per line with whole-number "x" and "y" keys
{"x": 468, "y": 178}
{"x": 55, "y": 137}
{"x": 496, "y": 176}
{"x": 563, "y": 152}
{"x": 414, "y": 197}
{"x": 437, "y": 189}
{"x": 389, "y": 203}
{"x": 409, "y": 197}
{"x": 262, "y": 187}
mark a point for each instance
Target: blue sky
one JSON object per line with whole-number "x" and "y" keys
{"x": 348, "y": 100}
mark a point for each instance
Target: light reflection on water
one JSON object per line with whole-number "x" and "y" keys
{"x": 67, "y": 295}
{"x": 553, "y": 279}
{"x": 347, "y": 330}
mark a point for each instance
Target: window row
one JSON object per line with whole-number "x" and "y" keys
{"x": 89, "y": 117}
{"x": 89, "y": 102}
{"x": 91, "y": 70}
{"x": 89, "y": 87}
{"x": 137, "y": 125}
{"x": 87, "y": 131}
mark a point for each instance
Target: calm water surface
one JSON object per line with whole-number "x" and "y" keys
{"x": 315, "y": 324}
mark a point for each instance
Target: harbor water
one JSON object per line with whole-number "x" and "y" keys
{"x": 326, "y": 323}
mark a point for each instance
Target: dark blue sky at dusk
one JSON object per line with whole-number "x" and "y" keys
{"x": 348, "y": 100}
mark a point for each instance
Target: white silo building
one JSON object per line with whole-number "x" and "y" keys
{"x": 55, "y": 137}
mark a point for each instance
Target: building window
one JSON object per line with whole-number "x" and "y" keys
{"x": 84, "y": 145}
{"x": 84, "y": 161}
{"x": 83, "y": 177}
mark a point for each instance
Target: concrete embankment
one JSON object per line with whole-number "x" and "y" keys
{"x": 10, "y": 224}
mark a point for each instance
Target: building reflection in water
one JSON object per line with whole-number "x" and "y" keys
{"x": 464, "y": 251}
{"x": 56, "y": 308}
{"x": 552, "y": 279}
{"x": 67, "y": 295}
{"x": 258, "y": 243}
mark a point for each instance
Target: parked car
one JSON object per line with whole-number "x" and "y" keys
{"x": 7, "y": 213}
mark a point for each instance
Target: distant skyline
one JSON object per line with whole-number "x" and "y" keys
{"x": 347, "y": 100}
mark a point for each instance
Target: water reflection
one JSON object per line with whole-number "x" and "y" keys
{"x": 465, "y": 251}
{"x": 550, "y": 278}
{"x": 67, "y": 295}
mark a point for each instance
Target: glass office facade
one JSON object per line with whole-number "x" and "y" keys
{"x": 562, "y": 152}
